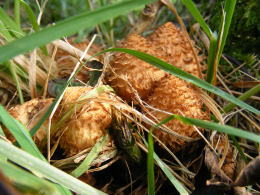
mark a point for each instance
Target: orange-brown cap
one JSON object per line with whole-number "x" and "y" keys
{"x": 86, "y": 125}
{"x": 173, "y": 44}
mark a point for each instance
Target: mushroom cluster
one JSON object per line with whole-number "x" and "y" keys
{"x": 87, "y": 122}
{"x": 130, "y": 77}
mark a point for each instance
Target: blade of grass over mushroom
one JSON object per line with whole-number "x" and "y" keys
{"x": 243, "y": 97}
{"x": 91, "y": 94}
{"x": 67, "y": 27}
{"x": 27, "y": 180}
{"x": 150, "y": 164}
{"x": 47, "y": 113}
{"x": 183, "y": 75}
{"x": 46, "y": 170}
{"x": 65, "y": 85}
{"x": 11, "y": 25}
{"x": 85, "y": 165}
{"x": 20, "y": 133}
{"x": 198, "y": 17}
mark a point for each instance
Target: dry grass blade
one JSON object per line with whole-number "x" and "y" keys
{"x": 32, "y": 74}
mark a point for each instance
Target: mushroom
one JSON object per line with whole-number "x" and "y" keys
{"x": 86, "y": 124}
{"x": 29, "y": 114}
{"x": 88, "y": 121}
{"x": 173, "y": 44}
{"x": 129, "y": 75}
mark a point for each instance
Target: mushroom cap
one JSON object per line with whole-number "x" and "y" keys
{"x": 29, "y": 114}
{"x": 172, "y": 43}
{"x": 127, "y": 69}
{"x": 176, "y": 96}
{"x": 86, "y": 125}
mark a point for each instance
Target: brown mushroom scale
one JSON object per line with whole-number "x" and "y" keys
{"x": 129, "y": 75}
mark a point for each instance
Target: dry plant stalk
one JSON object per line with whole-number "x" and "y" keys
{"x": 68, "y": 55}
{"x": 156, "y": 87}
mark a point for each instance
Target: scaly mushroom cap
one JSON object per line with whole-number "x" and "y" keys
{"x": 172, "y": 43}
{"x": 127, "y": 69}
{"x": 29, "y": 115}
{"x": 85, "y": 126}
{"x": 175, "y": 96}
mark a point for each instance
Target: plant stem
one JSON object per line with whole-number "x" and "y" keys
{"x": 243, "y": 97}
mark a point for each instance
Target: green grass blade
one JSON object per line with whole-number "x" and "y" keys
{"x": 170, "y": 176}
{"x": 20, "y": 133}
{"x": 11, "y": 25}
{"x": 179, "y": 187}
{"x": 207, "y": 125}
{"x": 67, "y": 27}
{"x": 213, "y": 47}
{"x": 17, "y": 13}
{"x": 220, "y": 128}
{"x": 84, "y": 166}
{"x": 27, "y": 180}
{"x": 183, "y": 75}
{"x": 243, "y": 97}
{"x": 239, "y": 148}
{"x": 229, "y": 9}
{"x": 2, "y": 132}
{"x": 2, "y": 158}
{"x": 46, "y": 170}
{"x": 30, "y": 15}
{"x": 15, "y": 78}
{"x": 33, "y": 21}
{"x": 198, "y": 17}
{"x": 150, "y": 165}
{"x": 4, "y": 32}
